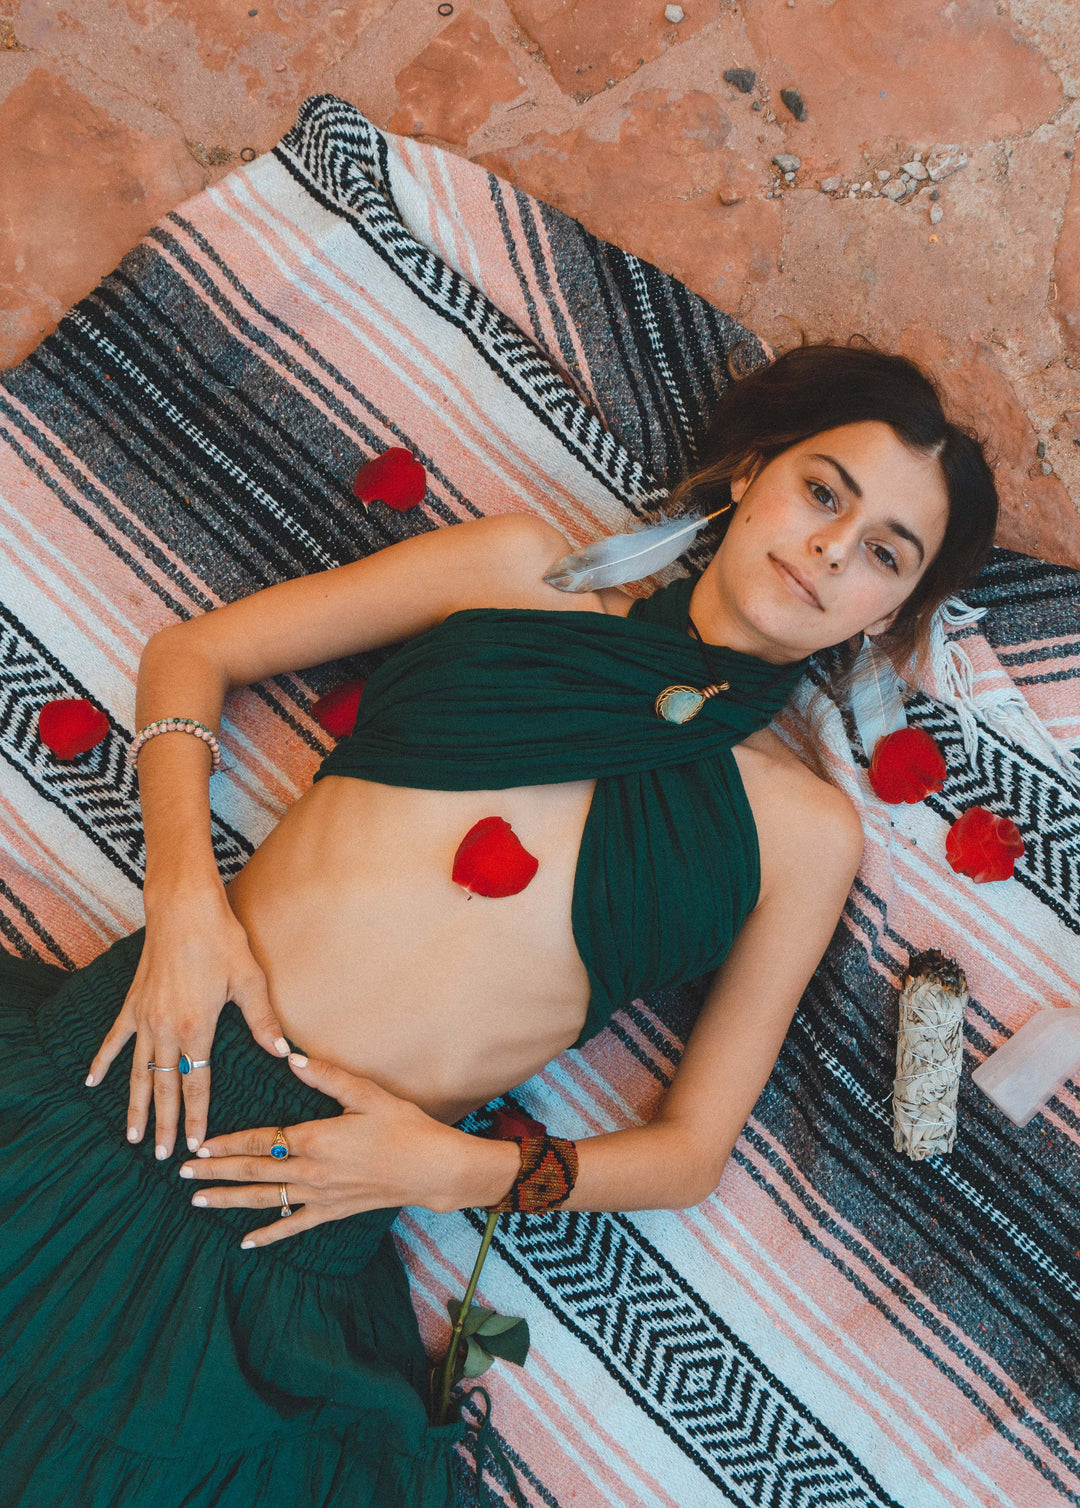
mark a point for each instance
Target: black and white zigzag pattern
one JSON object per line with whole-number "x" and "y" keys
{"x": 1012, "y": 782}
{"x": 747, "y": 1433}
{"x": 97, "y": 791}
{"x": 332, "y": 143}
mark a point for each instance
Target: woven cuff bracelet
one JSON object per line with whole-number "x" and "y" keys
{"x": 549, "y": 1169}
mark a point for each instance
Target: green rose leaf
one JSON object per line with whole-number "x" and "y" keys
{"x": 497, "y": 1323}
{"x": 476, "y": 1316}
{"x": 510, "y": 1345}
{"x": 477, "y": 1361}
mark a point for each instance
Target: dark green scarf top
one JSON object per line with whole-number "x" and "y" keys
{"x": 668, "y": 868}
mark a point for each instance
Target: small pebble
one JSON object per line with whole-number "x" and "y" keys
{"x": 852, "y": 191}
{"x": 742, "y": 79}
{"x": 674, "y": 14}
{"x": 867, "y": 186}
{"x": 883, "y": 175}
{"x": 279, "y": 67}
{"x": 1045, "y": 467}
{"x": 936, "y": 214}
{"x": 916, "y": 157}
{"x": 945, "y": 160}
{"x": 935, "y": 194}
{"x": 789, "y": 177}
{"x": 915, "y": 169}
{"x": 1040, "y": 449}
{"x": 795, "y": 103}
{"x": 894, "y": 189}
{"x": 787, "y": 163}
{"x": 756, "y": 105}
{"x": 830, "y": 185}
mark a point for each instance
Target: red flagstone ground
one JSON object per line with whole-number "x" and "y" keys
{"x": 114, "y": 111}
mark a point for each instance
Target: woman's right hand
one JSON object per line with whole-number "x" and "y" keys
{"x": 195, "y": 957}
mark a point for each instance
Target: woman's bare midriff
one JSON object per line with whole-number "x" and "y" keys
{"x": 376, "y": 960}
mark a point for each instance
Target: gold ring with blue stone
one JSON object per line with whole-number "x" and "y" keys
{"x": 279, "y": 1147}
{"x": 186, "y": 1064}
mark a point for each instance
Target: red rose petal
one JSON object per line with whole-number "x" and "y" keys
{"x": 70, "y": 725}
{"x": 336, "y": 711}
{"x": 491, "y": 861}
{"x": 395, "y": 478}
{"x": 511, "y": 1120}
{"x": 983, "y": 846}
{"x": 906, "y": 766}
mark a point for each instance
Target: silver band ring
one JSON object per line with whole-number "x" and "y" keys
{"x": 279, "y": 1147}
{"x": 186, "y": 1064}
{"x": 286, "y": 1207}
{"x": 162, "y": 1067}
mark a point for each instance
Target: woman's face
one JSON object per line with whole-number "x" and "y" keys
{"x": 827, "y": 541}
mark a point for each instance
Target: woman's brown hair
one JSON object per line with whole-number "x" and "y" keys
{"x": 821, "y": 385}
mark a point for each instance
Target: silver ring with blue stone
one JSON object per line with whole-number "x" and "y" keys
{"x": 279, "y": 1147}
{"x": 186, "y": 1064}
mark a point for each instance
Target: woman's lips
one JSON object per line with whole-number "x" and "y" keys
{"x": 794, "y": 585}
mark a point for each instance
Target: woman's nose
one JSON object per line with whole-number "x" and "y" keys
{"x": 833, "y": 543}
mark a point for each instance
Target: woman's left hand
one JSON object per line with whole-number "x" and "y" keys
{"x": 383, "y": 1151}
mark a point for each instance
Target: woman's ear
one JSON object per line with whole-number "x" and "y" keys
{"x": 882, "y": 623}
{"x": 742, "y": 479}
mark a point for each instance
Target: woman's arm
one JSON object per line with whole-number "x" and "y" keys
{"x": 677, "y": 1159}
{"x": 196, "y": 954}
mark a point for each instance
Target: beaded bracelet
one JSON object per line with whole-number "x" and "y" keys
{"x": 549, "y": 1170}
{"x": 177, "y": 725}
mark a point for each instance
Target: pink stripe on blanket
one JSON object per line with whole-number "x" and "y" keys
{"x": 32, "y": 498}
{"x": 812, "y": 1284}
{"x": 489, "y": 468}
{"x": 46, "y": 884}
{"x": 548, "y": 1427}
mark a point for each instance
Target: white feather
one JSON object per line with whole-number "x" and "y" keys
{"x": 875, "y": 699}
{"x": 626, "y": 557}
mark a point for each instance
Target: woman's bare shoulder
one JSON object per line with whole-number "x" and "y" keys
{"x": 804, "y": 823}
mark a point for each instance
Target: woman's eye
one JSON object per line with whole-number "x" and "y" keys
{"x": 886, "y": 557}
{"x": 818, "y": 487}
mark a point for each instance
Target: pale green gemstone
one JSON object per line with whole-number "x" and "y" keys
{"x": 679, "y": 704}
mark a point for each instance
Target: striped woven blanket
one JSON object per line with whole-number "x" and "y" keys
{"x": 837, "y": 1325}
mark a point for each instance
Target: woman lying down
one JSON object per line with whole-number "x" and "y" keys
{"x": 168, "y": 1338}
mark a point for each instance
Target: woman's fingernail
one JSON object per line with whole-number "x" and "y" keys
{"x": 281, "y": 1045}
{"x": 200, "y": 1200}
{"x": 161, "y": 1153}
{"x": 203, "y": 1152}
{"x": 246, "y": 1245}
{"x": 186, "y": 1172}
{"x": 193, "y": 1142}
{"x": 89, "y": 1080}
{"x": 133, "y": 1133}
{"x": 298, "y": 1059}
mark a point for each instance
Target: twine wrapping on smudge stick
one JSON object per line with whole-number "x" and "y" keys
{"x": 929, "y": 1055}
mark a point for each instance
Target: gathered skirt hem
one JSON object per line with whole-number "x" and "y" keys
{"x": 144, "y": 1356}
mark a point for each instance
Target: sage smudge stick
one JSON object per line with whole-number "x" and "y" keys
{"x": 929, "y": 1055}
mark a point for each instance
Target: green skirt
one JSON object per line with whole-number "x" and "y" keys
{"x": 145, "y": 1359}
